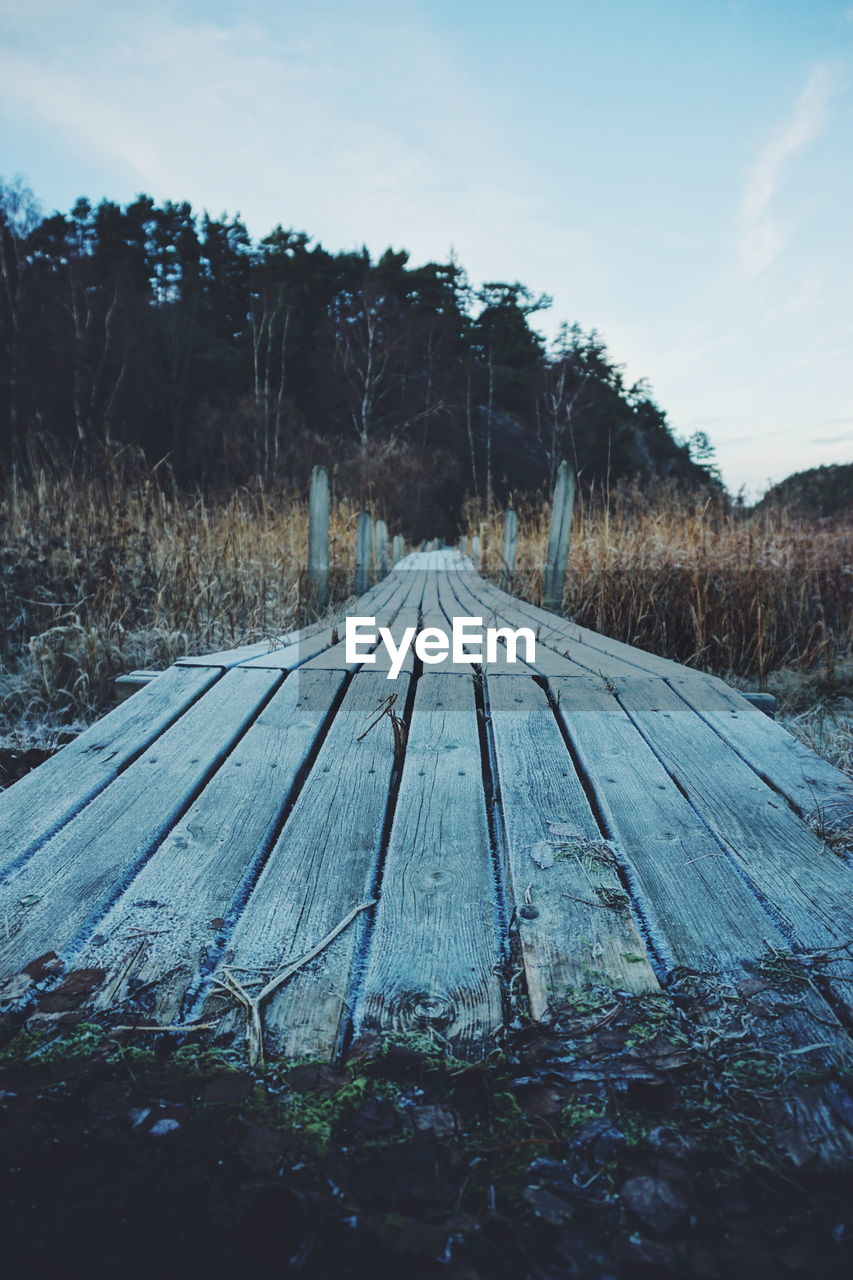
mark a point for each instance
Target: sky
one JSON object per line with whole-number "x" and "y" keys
{"x": 676, "y": 174}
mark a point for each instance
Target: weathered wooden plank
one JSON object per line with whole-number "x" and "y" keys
{"x": 71, "y": 879}
{"x": 573, "y": 916}
{"x": 318, "y": 537}
{"x": 453, "y": 602}
{"x": 811, "y": 784}
{"x": 245, "y": 653}
{"x": 226, "y": 658}
{"x": 432, "y": 957}
{"x": 457, "y": 588}
{"x": 323, "y": 864}
{"x": 549, "y": 636}
{"x": 161, "y": 933}
{"x": 701, "y": 913}
{"x": 792, "y": 870}
{"x": 510, "y": 546}
{"x": 559, "y": 536}
{"x": 408, "y": 616}
{"x": 313, "y": 643}
{"x": 438, "y": 608}
{"x": 635, "y": 657}
{"x": 283, "y": 651}
{"x": 35, "y": 808}
{"x": 402, "y": 592}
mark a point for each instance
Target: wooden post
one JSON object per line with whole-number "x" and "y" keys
{"x": 475, "y": 550}
{"x": 463, "y": 544}
{"x": 318, "y": 538}
{"x": 510, "y": 546}
{"x": 363, "y": 540}
{"x": 558, "y": 539}
{"x": 381, "y": 548}
{"x": 397, "y": 548}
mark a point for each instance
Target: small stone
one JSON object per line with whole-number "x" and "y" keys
{"x": 546, "y": 1205}
{"x": 657, "y": 1202}
{"x": 441, "y": 1120}
{"x": 601, "y": 1141}
{"x": 669, "y": 1142}
{"x": 316, "y": 1077}
{"x": 162, "y": 1127}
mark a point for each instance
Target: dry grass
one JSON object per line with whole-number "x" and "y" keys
{"x": 108, "y": 573}
{"x": 684, "y": 577}
{"x": 104, "y": 573}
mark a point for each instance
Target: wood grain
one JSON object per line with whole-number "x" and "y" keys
{"x": 552, "y": 637}
{"x": 580, "y": 932}
{"x": 322, "y": 865}
{"x": 166, "y": 926}
{"x": 808, "y": 888}
{"x": 39, "y": 804}
{"x": 72, "y": 879}
{"x": 811, "y": 784}
{"x": 701, "y": 912}
{"x": 435, "y": 944}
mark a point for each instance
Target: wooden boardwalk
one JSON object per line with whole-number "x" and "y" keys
{"x": 601, "y": 818}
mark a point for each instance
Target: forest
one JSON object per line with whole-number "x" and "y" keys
{"x": 173, "y": 333}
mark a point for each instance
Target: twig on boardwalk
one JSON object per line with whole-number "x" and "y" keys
{"x": 252, "y": 1004}
{"x": 398, "y": 727}
{"x": 182, "y": 1028}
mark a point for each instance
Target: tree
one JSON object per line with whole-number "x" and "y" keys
{"x": 19, "y": 215}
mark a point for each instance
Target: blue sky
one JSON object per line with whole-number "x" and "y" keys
{"x": 676, "y": 173}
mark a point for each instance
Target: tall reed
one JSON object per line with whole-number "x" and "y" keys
{"x": 106, "y": 572}
{"x": 693, "y": 579}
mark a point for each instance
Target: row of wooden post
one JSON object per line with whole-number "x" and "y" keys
{"x": 371, "y": 544}
{"x": 559, "y": 539}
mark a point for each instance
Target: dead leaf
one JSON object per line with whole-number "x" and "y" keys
{"x": 542, "y": 854}
{"x": 71, "y": 991}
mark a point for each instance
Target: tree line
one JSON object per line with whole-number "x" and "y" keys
{"x": 154, "y": 326}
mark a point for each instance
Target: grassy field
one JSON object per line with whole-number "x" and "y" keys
{"x": 763, "y": 599}
{"x": 694, "y": 581}
{"x": 105, "y": 573}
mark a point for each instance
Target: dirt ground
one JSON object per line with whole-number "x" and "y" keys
{"x": 607, "y": 1145}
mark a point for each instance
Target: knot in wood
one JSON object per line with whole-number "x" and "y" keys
{"x": 424, "y": 1011}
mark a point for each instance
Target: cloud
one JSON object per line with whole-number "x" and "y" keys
{"x": 762, "y": 236}
{"x": 839, "y": 439}
{"x": 322, "y": 126}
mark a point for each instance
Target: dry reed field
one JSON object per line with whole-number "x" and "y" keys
{"x": 764, "y": 599}
{"x": 693, "y": 580}
{"x": 118, "y": 569}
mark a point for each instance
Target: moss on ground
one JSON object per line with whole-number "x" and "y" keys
{"x": 612, "y": 1142}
